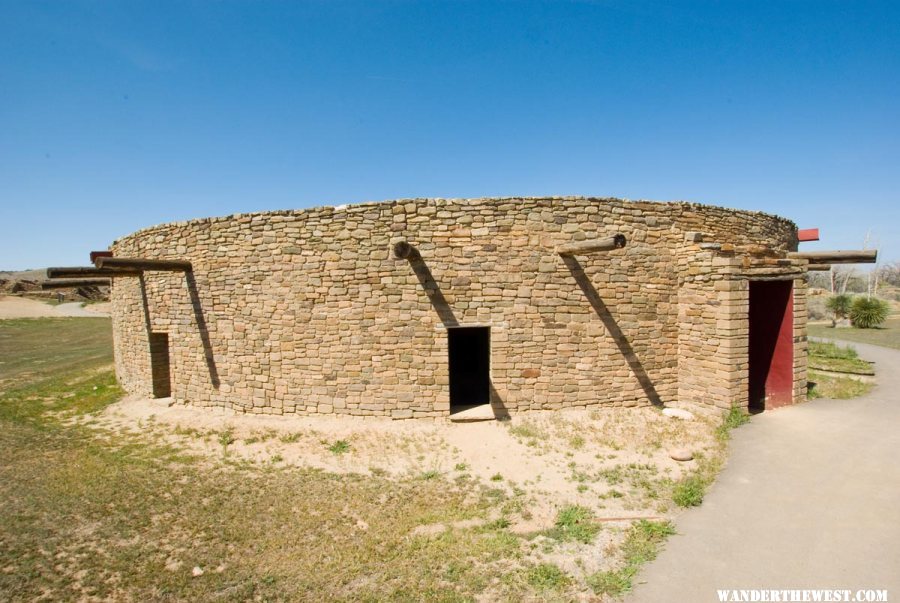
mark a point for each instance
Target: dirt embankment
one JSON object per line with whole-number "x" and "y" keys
{"x": 25, "y": 307}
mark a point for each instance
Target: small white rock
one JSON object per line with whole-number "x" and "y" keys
{"x": 678, "y": 413}
{"x": 680, "y": 454}
{"x": 197, "y": 571}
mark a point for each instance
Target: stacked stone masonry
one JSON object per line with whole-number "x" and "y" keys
{"x": 309, "y": 311}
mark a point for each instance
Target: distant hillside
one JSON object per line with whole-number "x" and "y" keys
{"x": 28, "y": 282}
{"x": 37, "y": 274}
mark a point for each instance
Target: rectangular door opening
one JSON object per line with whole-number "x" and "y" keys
{"x": 470, "y": 366}
{"x": 159, "y": 365}
{"x": 771, "y": 349}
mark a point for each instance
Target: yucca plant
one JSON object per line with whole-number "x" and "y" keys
{"x": 868, "y": 312}
{"x": 839, "y": 306}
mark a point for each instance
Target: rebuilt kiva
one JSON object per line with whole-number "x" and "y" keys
{"x": 423, "y": 307}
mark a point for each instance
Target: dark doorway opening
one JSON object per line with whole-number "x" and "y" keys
{"x": 771, "y": 349}
{"x": 159, "y": 365}
{"x": 470, "y": 366}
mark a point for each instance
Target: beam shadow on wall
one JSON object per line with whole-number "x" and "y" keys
{"x": 202, "y": 327}
{"x": 198, "y": 316}
{"x": 145, "y": 304}
{"x": 448, "y": 318}
{"x": 609, "y": 322}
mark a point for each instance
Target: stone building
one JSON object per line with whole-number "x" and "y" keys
{"x": 499, "y": 304}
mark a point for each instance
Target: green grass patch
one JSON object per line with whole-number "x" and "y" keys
{"x": 830, "y": 356}
{"x": 339, "y": 447}
{"x": 528, "y": 431}
{"x": 734, "y": 418}
{"x": 641, "y": 545}
{"x": 547, "y": 576}
{"x": 835, "y": 388}
{"x": 689, "y": 491}
{"x": 574, "y": 522}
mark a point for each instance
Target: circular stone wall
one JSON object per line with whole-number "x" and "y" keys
{"x": 309, "y": 311}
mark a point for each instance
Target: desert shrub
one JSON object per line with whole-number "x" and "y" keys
{"x": 868, "y": 312}
{"x": 839, "y": 305}
{"x": 816, "y": 308}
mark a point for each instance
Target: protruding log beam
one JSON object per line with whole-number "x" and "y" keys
{"x": 819, "y": 267}
{"x": 143, "y": 264}
{"x": 72, "y": 283}
{"x": 864, "y": 256}
{"x": 85, "y": 271}
{"x": 100, "y": 254}
{"x": 403, "y": 250}
{"x": 616, "y": 241}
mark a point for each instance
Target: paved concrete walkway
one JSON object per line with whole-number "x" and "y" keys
{"x": 810, "y": 498}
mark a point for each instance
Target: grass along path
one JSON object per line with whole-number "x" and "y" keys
{"x": 828, "y": 356}
{"x": 888, "y": 335}
{"x": 833, "y": 358}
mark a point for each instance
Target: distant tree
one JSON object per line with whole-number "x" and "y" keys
{"x": 890, "y": 274}
{"x": 839, "y": 306}
{"x": 820, "y": 280}
{"x": 840, "y": 278}
{"x": 868, "y": 312}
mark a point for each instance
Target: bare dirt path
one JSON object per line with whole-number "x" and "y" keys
{"x": 24, "y": 307}
{"x": 810, "y": 498}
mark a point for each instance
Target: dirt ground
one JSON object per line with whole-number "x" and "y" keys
{"x": 614, "y": 461}
{"x": 23, "y": 307}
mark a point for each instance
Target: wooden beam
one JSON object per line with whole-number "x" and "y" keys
{"x": 865, "y": 256}
{"x": 75, "y": 283}
{"x": 616, "y": 241}
{"x": 819, "y": 267}
{"x": 403, "y": 250}
{"x": 85, "y": 271}
{"x": 143, "y": 264}
{"x": 100, "y": 254}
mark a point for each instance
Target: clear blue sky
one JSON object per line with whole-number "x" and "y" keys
{"x": 119, "y": 115}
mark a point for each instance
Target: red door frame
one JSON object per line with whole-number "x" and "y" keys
{"x": 771, "y": 344}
